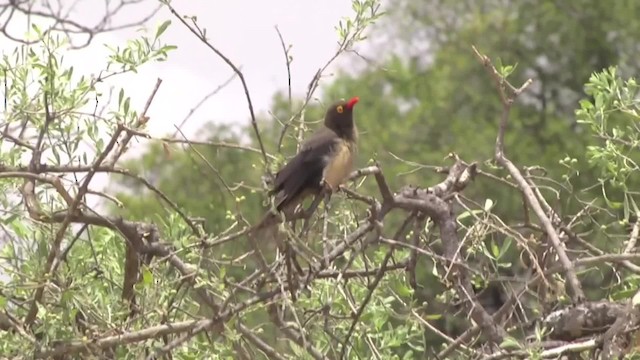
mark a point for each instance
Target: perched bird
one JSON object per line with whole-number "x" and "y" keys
{"x": 324, "y": 160}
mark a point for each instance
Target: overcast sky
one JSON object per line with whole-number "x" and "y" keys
{"x": 241, "y": 29}
{"x": 244, "y": 30}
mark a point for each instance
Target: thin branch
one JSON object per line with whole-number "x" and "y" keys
{"x": 507, "y": 100}
{"x": 71, "y": 211}
{"x": 78, "y": 346}
{"x": 254, "y": 339}
{"x": 372, "y": 287}
{"x": 287, "y": 59}
{"x": 202, "y": 101}
{"x": 294, "y": 334}
{"x": 202, "y": 37}
{"x": 141, "y": 120}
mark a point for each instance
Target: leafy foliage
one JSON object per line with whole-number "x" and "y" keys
{"x": 170, "y": 266}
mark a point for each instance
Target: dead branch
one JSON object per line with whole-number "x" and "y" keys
{"x": 78, "y": 33}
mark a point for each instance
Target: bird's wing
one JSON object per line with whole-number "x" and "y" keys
{"x": 303, "y": 172}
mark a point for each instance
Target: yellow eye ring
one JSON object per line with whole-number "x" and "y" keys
{"x": 339, "y": 109}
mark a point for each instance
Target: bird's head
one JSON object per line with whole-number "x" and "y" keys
{"x": 339, "y": 116}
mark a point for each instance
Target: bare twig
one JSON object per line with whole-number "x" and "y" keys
{"x": 293, "y": 333}
{"x": 507, "y": 101}
{"x": 71, "y": 211}
{"x": 287, "y": 59}
{"x": 202, "y": 101}
{"x": 372, "y": 287}
{"x": 202, "y": 37}
{"x": 64, "y": 24}
{"x": 142, "y": 119}
{"x": 251, "y": 337}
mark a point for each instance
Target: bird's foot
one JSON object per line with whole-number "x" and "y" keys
{"x": 326, "y": 186}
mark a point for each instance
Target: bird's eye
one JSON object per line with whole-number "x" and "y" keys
{"x": 339, "y": 109}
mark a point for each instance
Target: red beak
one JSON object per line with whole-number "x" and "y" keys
{"x": 354, "y": 100}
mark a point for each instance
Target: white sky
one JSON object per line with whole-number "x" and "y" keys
{"x": 244, "y": 30}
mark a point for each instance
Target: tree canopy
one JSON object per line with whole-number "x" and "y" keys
{"x": 493, "y": 213}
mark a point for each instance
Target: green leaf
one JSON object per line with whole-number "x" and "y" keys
{"x": 488, "y": 205}
{"x": 510, "y": 343}
{"x": 120, "y": 96}
{"x": 433, "y": 317}
{"x": 495, "y": 250}
{"x": 599, "y": 100}
{"x": 147, "y": 276}
{"x": 624, "y": 294}
{"x": 466, "y": 214}
{"x": 162, "y": 28}
{"x": 126, "y": 105}
{"x": 506, "y": 244}
{"x": 403, "y": 290}
{"x": 99, "y": 145}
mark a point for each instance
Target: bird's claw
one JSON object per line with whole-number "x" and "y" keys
{"x": 326, "y": 186}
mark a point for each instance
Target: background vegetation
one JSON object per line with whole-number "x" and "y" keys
{"x": 168, "y": 271}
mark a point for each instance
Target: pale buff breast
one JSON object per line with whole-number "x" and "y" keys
{"x": 340, "y": 164}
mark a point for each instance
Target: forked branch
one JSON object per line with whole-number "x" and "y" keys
{"x": 508, "y": 94}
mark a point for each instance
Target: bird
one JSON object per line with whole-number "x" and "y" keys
{"x": 324, "y": 160}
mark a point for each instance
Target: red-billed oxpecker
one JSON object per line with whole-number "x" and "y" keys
{"x": 324, "y": 160}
